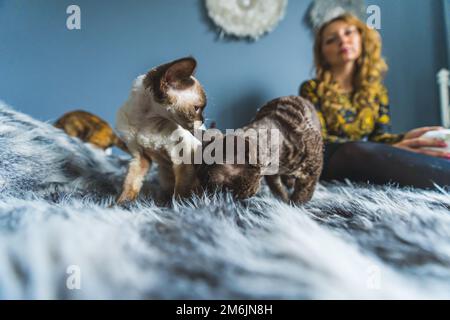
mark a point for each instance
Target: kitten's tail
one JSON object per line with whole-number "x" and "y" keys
{"x": 120, "y": 144}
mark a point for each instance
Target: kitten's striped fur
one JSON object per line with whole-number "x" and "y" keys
{"x": 300, "y": 153}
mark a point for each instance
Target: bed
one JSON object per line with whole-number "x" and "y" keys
{"x": 59, "y": 238}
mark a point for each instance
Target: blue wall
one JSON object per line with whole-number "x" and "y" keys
{"x": 46, "y": 69}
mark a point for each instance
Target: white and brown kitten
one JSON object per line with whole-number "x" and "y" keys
{"x": 166, "y": 102}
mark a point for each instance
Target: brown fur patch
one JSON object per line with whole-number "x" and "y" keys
{"x": 162, "y": 77}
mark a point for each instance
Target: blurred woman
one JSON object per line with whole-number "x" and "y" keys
{"x": 353, "y": 106}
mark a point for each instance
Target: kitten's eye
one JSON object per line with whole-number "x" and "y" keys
{"x": 197, "y": 108}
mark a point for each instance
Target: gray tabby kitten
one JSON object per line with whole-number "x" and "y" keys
{"x": 300, "y": 153}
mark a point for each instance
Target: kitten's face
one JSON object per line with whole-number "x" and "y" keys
{"x": 175, "y": 89}
{"x": 242, "y": 180}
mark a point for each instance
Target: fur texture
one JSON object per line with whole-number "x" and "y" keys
{"x": 356, "y": 242}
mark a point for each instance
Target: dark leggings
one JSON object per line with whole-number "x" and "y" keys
{"x": 378, "y": 163}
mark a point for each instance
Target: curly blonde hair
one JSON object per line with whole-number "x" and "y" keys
{"x": 369, "y": 72}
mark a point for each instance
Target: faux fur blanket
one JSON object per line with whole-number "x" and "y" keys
{"x": 60, "y": 239}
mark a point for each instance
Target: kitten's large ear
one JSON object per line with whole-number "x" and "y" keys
{"x": 180, "y": 71}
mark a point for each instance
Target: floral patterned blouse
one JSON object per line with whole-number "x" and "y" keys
{"x": 347, "y": 122}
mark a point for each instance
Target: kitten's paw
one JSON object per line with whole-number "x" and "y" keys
{"x": 182, "y": 195}
{"x": 299, "y": 199}
{"x": 126, "y": 199}
{"x": 186, "y": 139}
{"x": 185, "y": 146}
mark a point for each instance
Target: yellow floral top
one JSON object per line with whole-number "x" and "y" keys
{"x": 347, "y": 122}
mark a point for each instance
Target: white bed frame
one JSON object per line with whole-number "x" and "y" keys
{"x": 443, "y": 78}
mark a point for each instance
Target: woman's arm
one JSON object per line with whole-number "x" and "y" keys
{"x": 308, "y": 90}
{"x": 414, "y": 142}
{"x": 411, "y": 141}
{"x": 381, "y": 133}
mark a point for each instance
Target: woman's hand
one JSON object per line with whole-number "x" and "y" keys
{"x": 414, "y": 142}
{"x": 417, "y": 133}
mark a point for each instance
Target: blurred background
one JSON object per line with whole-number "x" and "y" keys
{"x": 46, "y": 69}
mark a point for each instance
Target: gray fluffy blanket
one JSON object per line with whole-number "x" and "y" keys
{"x": 59, "y": 239}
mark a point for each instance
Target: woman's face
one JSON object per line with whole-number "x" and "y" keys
{"x": 341, "y": 43}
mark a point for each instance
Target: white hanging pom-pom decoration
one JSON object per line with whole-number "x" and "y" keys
{"x": 246, "y": 18}
{"x": 323, "y": 11}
